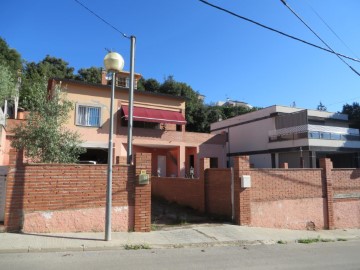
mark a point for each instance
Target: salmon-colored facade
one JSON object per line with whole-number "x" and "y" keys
{"x": 174, "y": 151}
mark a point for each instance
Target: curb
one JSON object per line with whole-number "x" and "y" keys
{"x": 240, "y": 243}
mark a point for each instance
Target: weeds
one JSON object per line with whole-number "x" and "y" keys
{"x": 341, "y": 239}
{"x": 327, "y": 240}
{"x": 282, "y": 242}
{"x": 136, "y": 247}
{"x": 308, "y": 240}
{"x": 316, "y": 240}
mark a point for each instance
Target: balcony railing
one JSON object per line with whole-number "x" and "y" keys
{"x": 314, "y": 132}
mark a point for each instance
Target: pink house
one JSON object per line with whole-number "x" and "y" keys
{"x": 159, "y": 127}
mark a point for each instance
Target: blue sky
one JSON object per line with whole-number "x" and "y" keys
{"x": 218, "y": 55}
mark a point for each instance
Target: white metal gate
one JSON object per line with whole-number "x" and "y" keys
{"x": 3, "y": 173}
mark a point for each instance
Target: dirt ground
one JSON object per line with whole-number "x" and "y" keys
{"x": 167, "y": 215}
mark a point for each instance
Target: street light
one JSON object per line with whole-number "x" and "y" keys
{"x": 129, "y": 158}
{"x": 113, "y": 63}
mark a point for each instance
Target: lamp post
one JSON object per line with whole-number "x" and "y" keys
{"x": 113, "y": 63}
{"x": 131, "y": 101}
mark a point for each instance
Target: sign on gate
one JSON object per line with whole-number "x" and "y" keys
{"x": 3, "y": 173}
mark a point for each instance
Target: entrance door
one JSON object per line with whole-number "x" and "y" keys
{"x": 3, "y": 172}
{"x": 161, "y": 166}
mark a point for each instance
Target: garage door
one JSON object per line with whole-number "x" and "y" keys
{"x": 3, "y": 173}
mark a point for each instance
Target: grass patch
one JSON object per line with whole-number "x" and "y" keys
{"x": 326, "y": 240}
{"x": 154, "y": 227}
{"x": 136, "y": 247}
{"x": 314, "y": 240}
{"x": 341, "y": 239}
{"x": 281, "y": 242}
{"x": 308, "y": 240}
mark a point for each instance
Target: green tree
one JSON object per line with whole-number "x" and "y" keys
{"x": 150, "y": 85}
{"x": 232, "y": 111}
{"x": 10, "y": 57}
{"x": 170, "y": 87}
{"x": 7, "y": 83}
{"x": 353, "y": 111}
{"x": 34, "y": 73}
{"x": 43, "y": 137}
{"x": 90, "y": 75}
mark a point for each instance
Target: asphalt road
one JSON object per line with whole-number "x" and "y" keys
{"x": 334, "y": 255}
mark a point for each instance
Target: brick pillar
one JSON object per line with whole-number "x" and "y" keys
{"x": 242, "y": 195}
{"x": 204, "y": 164}
{"x": 142, "y": 194}
{"x": 14, "y": 192}
{"x": 284, "y": 165}
{"x": 327, "y": 166}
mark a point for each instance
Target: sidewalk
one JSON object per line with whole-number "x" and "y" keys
{"x": 195, "y": 235}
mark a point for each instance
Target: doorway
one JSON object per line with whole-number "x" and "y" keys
{"x": 161, "y": 166}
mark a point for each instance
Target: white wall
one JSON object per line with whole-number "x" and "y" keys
{"x": 252, "y": 136}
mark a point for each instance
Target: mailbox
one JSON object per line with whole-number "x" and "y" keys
{"x": 143, "y": 178}
{"x": 245, "y": 181}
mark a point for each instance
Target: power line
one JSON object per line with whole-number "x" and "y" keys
{"x": 279, "y": 32}
{"x": 102, "y": 19}
{"x": 330, "y": 28}
{"x": 297, "y": 16}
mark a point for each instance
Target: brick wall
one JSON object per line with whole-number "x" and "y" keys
{"x": 142, "y": 163}
{"x": 279, "y": 184}
{"x": 183, "y": 191}
{"x": 346, "y": 181}
{"x": 279, "y": 198}
{"x": 346, "y": 189}
{"x": 72, "y": 194}
{"x": 218, "y": 192}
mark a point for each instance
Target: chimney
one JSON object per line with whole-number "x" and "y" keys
{"x": 103, "y": 77}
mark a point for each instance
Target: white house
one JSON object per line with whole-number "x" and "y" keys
{"x": 299, "y": 137}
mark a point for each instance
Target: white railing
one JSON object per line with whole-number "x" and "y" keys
{"x": 314, "y": 128}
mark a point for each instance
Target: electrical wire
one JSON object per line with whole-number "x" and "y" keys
{"x": 277, "y": 31}
{"x": 293, "y": 12}
{"x": 102, "y": 19}
{"x": 330, "y": 28}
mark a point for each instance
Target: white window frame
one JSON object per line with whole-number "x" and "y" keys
{"x": 86, "y": 122}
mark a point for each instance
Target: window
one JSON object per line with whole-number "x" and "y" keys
{"x": 88, "y": 116}
{"x": 125, "y": 82}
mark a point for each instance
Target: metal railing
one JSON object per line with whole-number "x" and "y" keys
{"x": 314, "y": 132}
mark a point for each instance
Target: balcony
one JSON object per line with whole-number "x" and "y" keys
{"x": 314, "y": 132}
{"x": 164, "y": 137}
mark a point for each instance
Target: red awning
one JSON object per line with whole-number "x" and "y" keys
{"x": 154, "y": 115}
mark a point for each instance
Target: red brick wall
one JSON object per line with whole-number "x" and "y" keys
{"x": 183, "y": 191}
{"x": 346, "y": 181}
{"x": 280, "y": 198}
{"x": 346, "y": 189}
{"x": 279, "y": 184}
{"x": 57, "y": 187}
{"x": 218, "y": 192}
{"x": 142, "y": 162}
